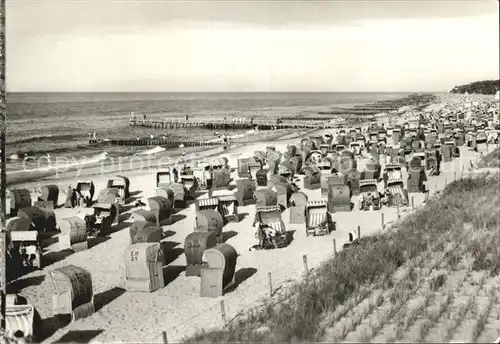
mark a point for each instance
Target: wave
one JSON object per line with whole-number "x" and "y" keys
{"x": 54, "y": 165}
{"x": 29, "y": 139}
{"x": 43, "y": 152}
{"x": 155, "y": 150}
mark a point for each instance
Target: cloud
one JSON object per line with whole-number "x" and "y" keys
{"x": 57, "y": 17}
{"x": 182, "y": 50}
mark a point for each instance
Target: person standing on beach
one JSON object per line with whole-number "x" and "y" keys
{"x": 144, "y": 116}
{"x": 176, "y": 174}
{"x": 187, "y": 118}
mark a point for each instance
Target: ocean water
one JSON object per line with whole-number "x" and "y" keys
{"x": 59, "y": 123}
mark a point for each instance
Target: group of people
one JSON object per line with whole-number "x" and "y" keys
{"x": 74, "y": 198}
{"x": 133, "y": 116}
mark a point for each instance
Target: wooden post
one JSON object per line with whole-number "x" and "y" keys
{"x": 304, "y": 258}
{"x": 359, "y": 232}
{"x": 413, "y": 201}
{"x": 334, "y": 247}
{"x": 223, "y": 312}
{"x": 455, "y": 175}
{"x": 270, "y": 284}
{"x": 445, "y": 181}
{"x": 462, "y": 172}
{"x": 397, "y": 210}
{"x": 164, "y": 337}
{"x": 382, "y": 219}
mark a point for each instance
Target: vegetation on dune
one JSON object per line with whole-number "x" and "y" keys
{"x": 478, "y": 87}
{"x": 491, "y": 160}
{"x": 372, "y": 285}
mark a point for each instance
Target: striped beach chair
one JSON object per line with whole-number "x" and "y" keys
{"x": 398, "y": 195}
{"x": 28, "y": 243}
{"x": 164, "y": 178}
{"x": 318, "y": 221}
{"x": 270, "y": 216}
{"x": 369, "y": 187}
{"x": 228, "y": 207}
{"x": 19, "y": 322}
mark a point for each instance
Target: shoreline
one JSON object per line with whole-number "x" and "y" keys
{"x": 22, "y": 178}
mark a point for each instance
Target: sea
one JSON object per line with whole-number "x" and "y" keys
{"x": 59, "y": 124}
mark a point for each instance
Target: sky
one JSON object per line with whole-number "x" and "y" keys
{"x": 249, "y": 46}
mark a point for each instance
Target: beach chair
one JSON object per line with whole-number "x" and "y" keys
{"x": 180, "y": 195}
{"x": 108, "y": 195}
{"x": 254, "y": 167}
{"x": 27, "y": 246}
{"x": 194, "y": 246}
{"x": 123, "y": 185}
{"x": 19, "y": 198}
{"x": 209, "y": 221}
{"x": 86, "y": 189}
{"x": 312, "y": 179}
{"x": 318, "y": 220}
{"x": 74, "y": 295}
{"x": 218, "y": 270}
{"x": 369, "y": 197}
{"x": 296, "y": 164}
{"x": 275, "y": 179}
{"x": 191, "y": 185}
{"x": 271, "y": 230}
{"x": 144, "y": 267}
{"x": 100, "y": 223}
{"x": 416, "y": 179}
{"x": 315, "y": 156}
{"x": 221, "y": 179}
{"x": 49, "y": 193}
{"x": 20, "y": 319}
{"x": 203, "y": 176}
{"x": 371, "y": 171}
{"x": 284, "y": 192}
{"x": 244, "y": 193}
{"x": 265, "y": 197}
{"x": 298, "y": 203}
{"x": 228, "y": 207}
{"x": 243, "y": 169}
{"x": 42, "y": 220}
{"x": 162, "y": 207}
{"x": 73, "y": 234}
{"x": 395, "y": 193}
{"x": 352, "y": 178}
{"x": 291, "y": 150}
{"x": 392, "y": 171}
{"x": 207, "y": 203}
{"x": 286, "y": 170}
{"x": 164, "y": 177}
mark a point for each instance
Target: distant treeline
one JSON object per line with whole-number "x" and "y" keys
{"x": 479, "y": 87}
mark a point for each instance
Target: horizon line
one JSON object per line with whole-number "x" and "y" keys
{"x": 72, "y": 92}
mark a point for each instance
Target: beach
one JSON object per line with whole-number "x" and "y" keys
{"x": 177, "y": 308}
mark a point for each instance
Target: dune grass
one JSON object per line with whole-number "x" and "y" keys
{"x": 491, "y": 160}
{"x": 372, "y": 285}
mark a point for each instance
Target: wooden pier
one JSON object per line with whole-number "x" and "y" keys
{"x": 221, "y": 124}
{"x": 156, "y": 142}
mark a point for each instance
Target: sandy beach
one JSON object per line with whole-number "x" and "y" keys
{"x": 178, "y": 309}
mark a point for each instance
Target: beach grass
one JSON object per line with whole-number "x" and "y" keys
{"x": 491, "y": 160}
{"x": 441, "y": 262}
